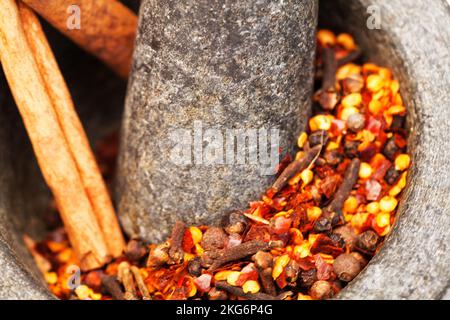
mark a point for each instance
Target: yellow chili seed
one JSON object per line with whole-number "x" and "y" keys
{"x": 302, "y": 139}
{"x": 188, "y": 256}
{"x": 233, "y": 277}
{"x": 350, "y": 205}
{"x": 374, "y": 82}
{"x": 196, "y": 234}
{"x": 198, "y": 249}
{"x": 313, "y": 213}
{"x": 352, "y": 100}
{"x": 388, "y": 204}
{"x": 373, "y": 207}
{"x": 346, "y": 41}
{"x": 307, "y": 176}
{"x": 347, "y": 112}
{"x": 279, "y": 265}
{"x": 326, "y": 37}
{"x": 365, "y": 170}
{"x": 383, "y": 219}
{"x": 251, "y": 286}
{"x": 402, "y": 162}
{"x": 312, "y": 238}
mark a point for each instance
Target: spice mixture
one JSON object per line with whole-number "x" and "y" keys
{"x": 310, "y": 234}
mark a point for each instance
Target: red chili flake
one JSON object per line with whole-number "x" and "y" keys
{"x": 337, "y": 127}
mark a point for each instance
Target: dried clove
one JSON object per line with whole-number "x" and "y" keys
{"x": 295, "y": 167}
{"x": 391, "y": 149}
{"x": 241, "y": 251}
{"x": 333, "y": 157}
{"x": 291, "y": 271}
{"x": 392, "y": 175}
{"x": 263, "y": 260}
{"x": 353, "y": 83}
{"x": 267, "y": 282}
{"x": 237, "y": 291}
{"x": 176, "y": 250}
{"x": 112, "y": 286}
{"x": 358, "y": 256}
{"x": 346, "y": 267}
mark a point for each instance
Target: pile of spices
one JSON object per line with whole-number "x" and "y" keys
{"x": 312, "y": 232}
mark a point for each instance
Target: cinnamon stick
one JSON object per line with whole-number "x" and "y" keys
{"x": 72, "y": 128}
{"x": 54, "y": 157}
{"x": 108, "y": 28}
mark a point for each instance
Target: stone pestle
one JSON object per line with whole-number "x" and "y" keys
{"x": 218, "y": 94}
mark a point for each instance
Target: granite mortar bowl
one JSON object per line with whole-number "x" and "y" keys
{"x": 413, "y": 40}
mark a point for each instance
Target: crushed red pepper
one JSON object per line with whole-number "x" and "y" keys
{"x": 309, "y": 235}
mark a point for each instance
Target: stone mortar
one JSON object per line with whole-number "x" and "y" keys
{"x": 222, "y": 65}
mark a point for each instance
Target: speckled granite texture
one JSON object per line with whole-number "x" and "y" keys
{"x": 227, "y": 64}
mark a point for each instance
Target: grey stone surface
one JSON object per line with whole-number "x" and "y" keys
{"x": 414, "y": 40}
{"x": 227, "y": 64}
